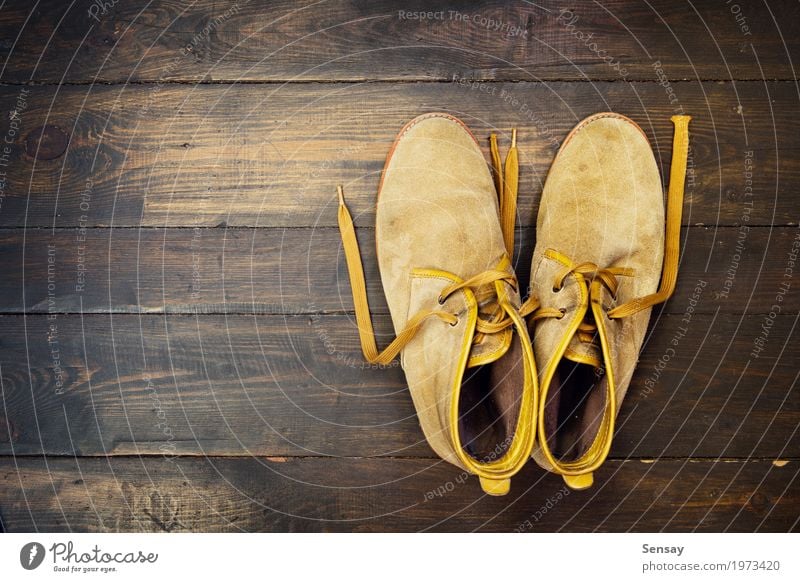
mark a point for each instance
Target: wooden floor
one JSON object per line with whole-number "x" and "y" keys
{"x": 178, "y": 350}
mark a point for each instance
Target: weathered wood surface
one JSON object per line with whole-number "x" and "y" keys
{"x": 237, "y": 40}
{"x": 274, "y": 385}
{"x": 313, "y": 494}
{"x": 302, "y": 270}
{"x": 129, "y": 338}
{"x": 246, "y": 155}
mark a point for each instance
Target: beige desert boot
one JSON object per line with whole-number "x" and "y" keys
{"x": 445, "y": 264}
{"x": 601, "y": 249}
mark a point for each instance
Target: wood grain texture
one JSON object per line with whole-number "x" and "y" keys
{"x": 242, "y": 385}
{"x": 302, "y": 270}
{"x": 237, "y": 40}
{"x": 309, "y": 495}
{"x": 245, "y": 155}
{"x": 178, "y": 351}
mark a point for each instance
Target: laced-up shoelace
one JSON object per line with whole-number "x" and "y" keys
{"x": 493, "y": 317}
{"x": 590, "y": 273}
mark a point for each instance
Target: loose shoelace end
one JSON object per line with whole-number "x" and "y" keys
{"x": 340, "y": 191}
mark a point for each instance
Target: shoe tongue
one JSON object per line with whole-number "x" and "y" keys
{"x": 493, "y": 346}
{"x": 584, "y": 353}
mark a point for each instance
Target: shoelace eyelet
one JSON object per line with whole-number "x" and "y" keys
{"x": 557, "y": 289}
{"x": 441, "y": 300}
{"x": 563, "y": 313}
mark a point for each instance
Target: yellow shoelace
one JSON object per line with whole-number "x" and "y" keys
{"x": 506, "y": 182}
{"x": 495, "y": 318}
{"x": 590, "y": 272}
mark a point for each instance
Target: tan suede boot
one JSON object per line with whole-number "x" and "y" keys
{"x": 595, "y": 273}
{"x": 446, "y": 269}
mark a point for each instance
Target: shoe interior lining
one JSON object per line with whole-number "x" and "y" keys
{"x": 574, "y": 409}
{"x": 489, "y": 405}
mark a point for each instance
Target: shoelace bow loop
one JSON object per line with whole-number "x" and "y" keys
{"x": 482, "y": 286}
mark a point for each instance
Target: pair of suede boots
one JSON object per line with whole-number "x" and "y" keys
{"x": 468, "y": 343}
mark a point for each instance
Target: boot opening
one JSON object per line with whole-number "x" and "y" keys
{"x": 574, "y": 409}
{"x": 488, "y": 409}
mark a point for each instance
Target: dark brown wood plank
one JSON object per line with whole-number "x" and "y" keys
{"x": 254, "y": 155}
{"x": 298, "y": 385}
{"x": 490, "y": 39}
{"x": 302, "y": 270}
{"x": 311, "y": 495}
